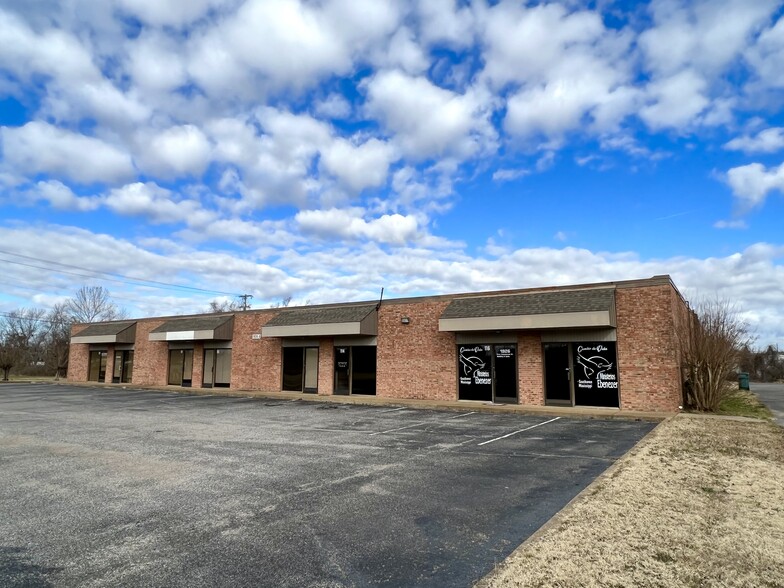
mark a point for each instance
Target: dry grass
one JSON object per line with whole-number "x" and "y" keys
{"x": 700, "y": 503}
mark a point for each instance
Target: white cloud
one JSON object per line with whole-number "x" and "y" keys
{"x": 752, "y": 183}
{"x": 675, "y": 100}
{"x": 403, "y": 52}
{"x": 169, "y": 12}
{"x": 177, "y": 151}
{"x": 704, "y": 34}
{"x": 430, "y": 121}
{"x": 61, "y": 197}
{"x": 157, "y": 205}
{"x": 443, "y": 22}
{"x": 155, "y": 62}
{"x": 335, "y": 223}
{"x": 333, "y": 106}
{"x": 766, "y": 141}
{"x": 39, "y": 147}
{"x": 767, "y": 55}
{"x": 731, "y": 224}
{"x": 506, "y": 175}
{"x": 359, "y": 166}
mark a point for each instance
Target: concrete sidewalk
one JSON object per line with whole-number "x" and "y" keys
{"x": 562, "y": 411}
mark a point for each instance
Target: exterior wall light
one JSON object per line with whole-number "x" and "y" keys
{"x": 405, "y": 320}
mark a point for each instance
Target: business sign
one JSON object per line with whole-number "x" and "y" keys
{"x": 475, "y": 380}
{"x": 595, "y": 374}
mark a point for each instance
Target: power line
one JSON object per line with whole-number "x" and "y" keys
{"x": 119, "y": 278}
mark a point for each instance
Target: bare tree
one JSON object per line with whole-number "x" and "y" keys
{"x": 282, "y": 303}
{"x": 21, "y": 339}
{"x": 218, "y": 306}
{"x": 93, "y": 303}
{"x": 58, "y": 337}
{"x": 711, "y": 343}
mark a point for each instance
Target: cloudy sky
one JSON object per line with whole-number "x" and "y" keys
{"x": 177, "y": 152}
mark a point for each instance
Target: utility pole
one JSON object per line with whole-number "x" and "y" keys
{"x": 245, "y": 305}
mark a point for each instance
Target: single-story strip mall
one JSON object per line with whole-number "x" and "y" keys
{"x": 612, "y": 344}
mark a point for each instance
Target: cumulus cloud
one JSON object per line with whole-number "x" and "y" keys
{"x": 61, "y": 197}
{"x": 157, "y": 205}
{"x": 752, "y": 183}
{"x": 177, "y": 151}
{"x": 675, "y": 100}
{"x": 359, "y": 166}
{"x": 430, "y": 121}
{"x": 766, "y": 141}
{"x": 335, "y": 223}
{"x": 42, "y": 148}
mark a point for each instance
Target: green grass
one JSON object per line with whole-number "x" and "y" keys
{"x": 744, "y": 403}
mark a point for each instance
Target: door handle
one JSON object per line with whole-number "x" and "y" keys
{"x": 568, "y": 373}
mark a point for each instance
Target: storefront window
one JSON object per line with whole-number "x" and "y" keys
{"x": 180, "y": 367}
{"x": 97, "y": 366}
{"x": 300, "y": 369}
{"x": 355, "y": 370}
{"x": 595, "y": 368}
{"x": 487, "y": 372}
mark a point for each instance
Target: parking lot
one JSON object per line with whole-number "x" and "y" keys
{"x": 123, "y": 487}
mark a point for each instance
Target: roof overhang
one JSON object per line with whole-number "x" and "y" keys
{"x": 323, "y": 323}
{"x": 195, "y": 329}
{"x": 560, "y": 320}
{"x": 103, "y": 333}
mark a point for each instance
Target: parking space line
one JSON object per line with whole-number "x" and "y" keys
{"x": 516, "y": 432}
{"x": 461, "y": 415}
{"x": 398, "y": 429}
{"x": 393, "y": 409}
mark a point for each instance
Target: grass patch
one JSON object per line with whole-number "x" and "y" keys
{"x": 744, "y": 403}
{"x": 699, "y": 503}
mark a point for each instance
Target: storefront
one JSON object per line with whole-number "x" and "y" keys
{"x": 609, "y": 345}
{"x": 199, "y": 350}
{"x": 350, "y": 333}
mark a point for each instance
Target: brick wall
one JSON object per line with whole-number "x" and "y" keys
{"x": 326, "y": 369}
{"x": 78, "y": 358}
{"x": 255, "y": 363}
{"x": 415, "y": 360}
{"x": 648, "y": 363}
{"x": 150, "y": 358}
{"x": 529, "y": 369}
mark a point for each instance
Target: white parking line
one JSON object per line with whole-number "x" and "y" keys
{"x": 398, "y": 429}
{"x": 394, "y": 409}
{"x": 516, "y": 432}
{"x": 462, "y": 415}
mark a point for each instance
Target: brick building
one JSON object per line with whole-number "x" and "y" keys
{"x": 612, "y": 344}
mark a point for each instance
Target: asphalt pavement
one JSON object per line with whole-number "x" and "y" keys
{"x": 772, "y": 395}
{"x": 115, "y": 487}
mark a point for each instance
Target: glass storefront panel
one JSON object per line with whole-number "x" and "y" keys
{"x": 97, "y": 366}
{"x": 311, "y": 369}
{"x": 118, "y": 366}
{"x": 223, "y": 368}
{"x": 474, "y": 377}
{"x": 175, "y": 366}
{"x": 209, "y": 368}
{"x": 127, "y": 373}
{"x": 342, "y": 370}
{"x": 595, "y": 374}
{"x": 292, "y": 369}
{"x": 363, "y": 370}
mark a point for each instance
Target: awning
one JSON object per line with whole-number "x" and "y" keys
{"x": 200, "y": 328}
{"x": 116, "y": 332}
{"x": 556, "y": 309}
{"x": 324, "y": 322}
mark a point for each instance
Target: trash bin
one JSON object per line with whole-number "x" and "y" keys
{"x": 743, "y": 380}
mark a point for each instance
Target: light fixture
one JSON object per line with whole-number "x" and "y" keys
{"x": 405, "y": 320}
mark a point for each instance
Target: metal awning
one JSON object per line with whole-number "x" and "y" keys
{"x": 359, "y": 319}
{"x": 115, "y": 332}
{"x": 200, "y": 328}
{"x": 556, "y": 309}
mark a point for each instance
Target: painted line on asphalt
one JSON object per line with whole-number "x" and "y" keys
{"x": 398, "y": 429}
{"x": 516, "y": 432}
{"x": 461, "y": 415}
{"x": 393, "y": 409}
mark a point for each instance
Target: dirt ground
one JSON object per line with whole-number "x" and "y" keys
{"x": 699, "y": 503}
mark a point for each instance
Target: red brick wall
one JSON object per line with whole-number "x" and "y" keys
{"x": 529, "y": 369}
{"x": 109, "y": 364}
{"x": 150, "y": 358}
{"x": 78, "y": 358}
{"x": 326, "y": 370}
{"x": 415, "y": 360}
{"x": 255, "y": 363}
{"x": 647, "y": 351}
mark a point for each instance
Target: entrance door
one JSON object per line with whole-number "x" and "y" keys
{"x": 123, "y": 367}
{"x": 505, "y": 373}
{"x": 180, "y": 367}
{"x": 342, "y": 360}
{"x": 557, "y": 375}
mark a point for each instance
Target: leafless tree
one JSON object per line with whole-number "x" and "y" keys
{"x": 711, "y": 341}
{"x": 218, "y": 306}
{"x": 21, "y": 339}
{"x": 58, "y": 337}
{"x": 282, "y": 303}
{"x": 93, "y": 303}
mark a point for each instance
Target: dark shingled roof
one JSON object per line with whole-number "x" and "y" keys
{"x": 321, "y": 316}
{"x": 102, "y": 329}
{"x": 197, "y": 323}
{"x": 556, "y": 301}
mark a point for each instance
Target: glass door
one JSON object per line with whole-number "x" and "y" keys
{"x": 342, "y": 370}
{"x": 557, "y": 374}
{"x": 180, "y": 367}
{"x": 505, "y": 373}
{"x": 311, "y": 370}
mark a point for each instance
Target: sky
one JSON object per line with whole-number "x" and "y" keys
{"x": 182, "y": 152}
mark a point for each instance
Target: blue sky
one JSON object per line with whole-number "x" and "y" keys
{"x": 324, "y": 150}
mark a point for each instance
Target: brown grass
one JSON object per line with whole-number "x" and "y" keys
{"x": 700, "y": 503}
